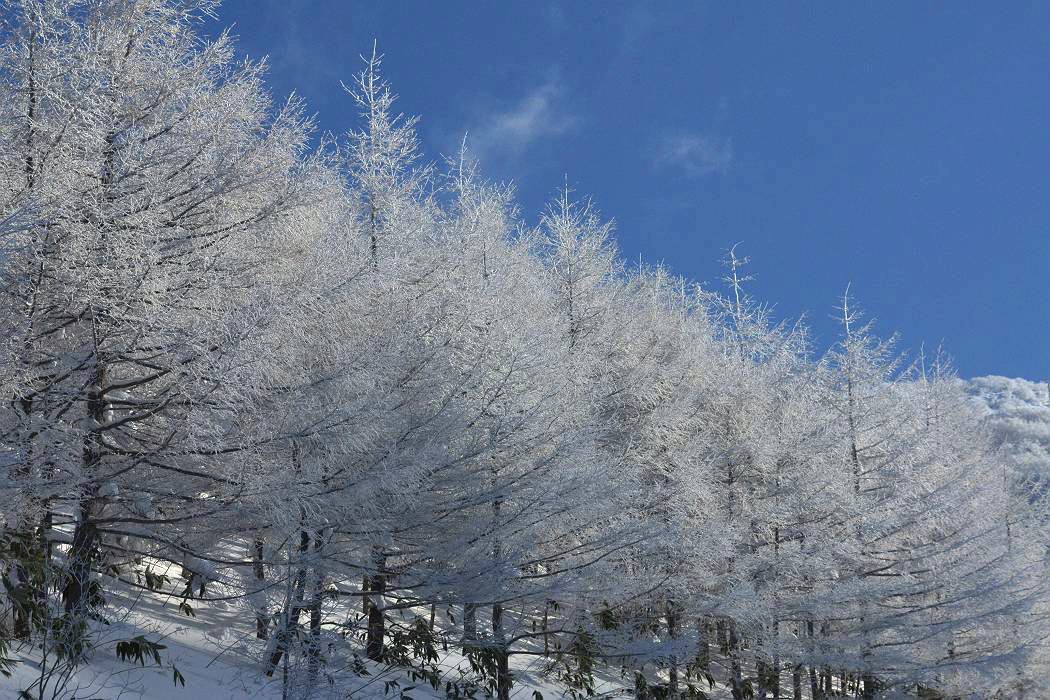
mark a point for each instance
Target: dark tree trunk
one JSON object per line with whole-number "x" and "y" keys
{"x": 868, "y": 689}
{"x": 376, "y": 613}
{"x": 504, "y": 681}
{"x": 23, "y": 617}
{"x": 293, "y": 610}
{"x": 262, "y": 619}
{"x": 814, "y": 684}
{"x": 672, "y": 631}
{"x": 703, "y": 646}
{"x": 736, "y": 681}
{"x": 46, "y": 523}
{"x": 316, "y": 600}
{"x": 85, "y": 535}
{"x": 470, "y": 624}
{"x": 81, "y": 552}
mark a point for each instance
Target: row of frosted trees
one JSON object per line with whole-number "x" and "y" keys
{"x": 348, "y": 391}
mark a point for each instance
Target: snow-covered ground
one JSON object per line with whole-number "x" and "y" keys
{"x": 217, "y": 654}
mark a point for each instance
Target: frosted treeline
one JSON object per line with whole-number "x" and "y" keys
{"x": 358, "y": 395}
{"x": 1018, "y": 418}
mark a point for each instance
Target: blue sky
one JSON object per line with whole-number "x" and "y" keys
{"x": 903, "y": 148}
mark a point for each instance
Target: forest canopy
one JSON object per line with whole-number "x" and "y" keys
{"x": 343, "y": 387}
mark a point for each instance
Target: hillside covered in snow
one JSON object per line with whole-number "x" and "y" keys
{"x": 1017, "y": 413}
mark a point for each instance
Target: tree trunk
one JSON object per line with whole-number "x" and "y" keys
{"x": 703, "y": 646}
{"x": 672, "y": 624}
{"x": 470, "y": 625}
{"x": 293, "y": 608}
{"x": 85, "y": 535}
{"x": 814, "y": 684}
{"x": 868, "y": 689}
{"x": 736, "y": 681}
{"x": 262, "y": 618}
{"x": 376, "y": 614}
{"x": 796, "y": 682}
{"x": 22, "y": 615}
{"x": 317, "y": 598}
{"x": 504, "y": 681}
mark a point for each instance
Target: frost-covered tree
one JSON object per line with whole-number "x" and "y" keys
{"x": 153, "y": 179}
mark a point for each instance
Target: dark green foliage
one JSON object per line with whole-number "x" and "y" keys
{"x": 395, "y": 686}
{"x": 6, "y": 663}
{"x": 606, "y": 618}
{"x": 137, "y": 649}
{"x": 27, "y": 555}
{"x": 575, "y": 668}
{"x": 484, "y": 663}
{"x": 152, "y": 581}
{"x": 698, "y": 671}
{"x": 662, "y": 691}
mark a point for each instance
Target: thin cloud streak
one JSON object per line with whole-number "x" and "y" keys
{"x": 538, "y": 115}
{"x": 697, "y": 154}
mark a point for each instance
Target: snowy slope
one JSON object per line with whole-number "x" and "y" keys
{"x": 219, "y": 657}
{"x": 1017, "y": 412}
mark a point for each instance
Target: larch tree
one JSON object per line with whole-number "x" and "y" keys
{"x": 165, "y": 177}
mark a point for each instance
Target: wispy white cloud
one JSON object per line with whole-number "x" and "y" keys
{"x": 538, "y": 115}
{"x": 697, "y": 154}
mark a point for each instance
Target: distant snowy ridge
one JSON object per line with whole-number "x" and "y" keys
{"x": 1017, "y": 412}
